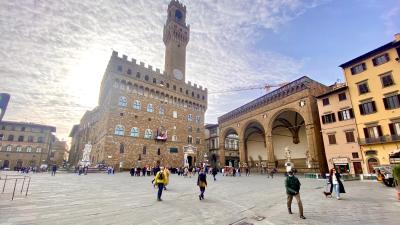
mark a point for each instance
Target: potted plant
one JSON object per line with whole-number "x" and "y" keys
{"x": 396, "y": 177}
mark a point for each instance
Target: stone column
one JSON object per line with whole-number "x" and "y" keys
{"x": 270, "y": 150}
{"x": 221, "y": 151}
{"x": 312, "y": 148}
{"x": 242, "y": 151}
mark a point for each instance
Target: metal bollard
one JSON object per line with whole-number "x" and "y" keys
{"x": 15, "y": 185}
{"x": 29, "y": 182}
{"x": 4, "y": 186}
{"x": 23, "y": 183}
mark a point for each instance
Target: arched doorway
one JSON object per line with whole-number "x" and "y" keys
{"x": 231, "y": 146}
{"x": 255, "y": 147}
{"x": 289, "y": 139}
{"x": 190, "y": 161}
{"x": 371, "y": 163}
{"x": 6, "y": 164}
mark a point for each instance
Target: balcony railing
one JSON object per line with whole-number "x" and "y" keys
{"x": 379, "y": 140}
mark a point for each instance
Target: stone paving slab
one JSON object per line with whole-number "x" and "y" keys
{"x": 122, "y": 199}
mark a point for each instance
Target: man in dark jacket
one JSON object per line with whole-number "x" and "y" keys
{"x": 292, "y": 185}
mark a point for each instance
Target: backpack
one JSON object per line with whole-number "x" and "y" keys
{"x": 161, "y": 175}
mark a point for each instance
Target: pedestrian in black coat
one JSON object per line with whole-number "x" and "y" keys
{"x": 336, "y": 183}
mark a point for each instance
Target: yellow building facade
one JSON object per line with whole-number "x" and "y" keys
{"x": 373, "y": 81}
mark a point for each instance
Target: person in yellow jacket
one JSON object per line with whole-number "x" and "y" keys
{"x": 166, "y": 174}
{"x": 160, "y": 180}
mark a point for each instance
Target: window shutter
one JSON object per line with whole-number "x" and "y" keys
{"x": 352, "y": 71}
{"x": 360, "y": 106}
{"x": 373, "y": 106}
{"x": 366, "y": 134}
{"x": 322, "y": 118}
{"x": 391, "y": 128}
{"x": 340, "y": 116}
{"x": 364, "y": 66}
{"x": 351, "y": 113}
{"x": 374, "y": 61}
{"x": 333, "y": 117}
{"x": 379, "y": 131}
{"x": 387, "y": 57}
{"x": 385, "y": 103}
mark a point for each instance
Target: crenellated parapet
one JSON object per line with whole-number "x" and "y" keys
{"x": 130, "y": 67}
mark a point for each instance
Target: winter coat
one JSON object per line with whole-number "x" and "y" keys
{"x": 214, "y": 171}
{"x": 158, "y": 179}
{"x": 292, "y": 185}
{"x": 202, "y": 180}
{"x": 341, "y": 187}
{"x": 166, "y": 175}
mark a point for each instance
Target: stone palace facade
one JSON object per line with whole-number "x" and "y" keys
{"x": 145, "y": 116}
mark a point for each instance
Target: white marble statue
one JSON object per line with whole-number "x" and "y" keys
{"x": 288, "y": 154}
{"x": 186, "y": 162}
{"x": 86, "y": 154}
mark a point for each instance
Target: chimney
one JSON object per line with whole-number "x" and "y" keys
{"x": 397, "y": 37}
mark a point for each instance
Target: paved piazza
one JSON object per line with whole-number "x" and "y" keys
{"x": 122, "y": 199}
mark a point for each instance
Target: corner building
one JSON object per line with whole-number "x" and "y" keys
{"x": 147, "y": 117}
{"x": 26, "y": 145}
{"x": 374, "y": 85}
{"x": 339, "y": 130}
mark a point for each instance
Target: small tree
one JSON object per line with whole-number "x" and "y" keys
{"x": 396, "y": 176}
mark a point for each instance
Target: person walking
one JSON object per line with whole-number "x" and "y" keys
{"x": 336, "y": 183}
{"x": 214, "y": 172}
{"x": 292, "y": 185}
{"x": 202, "y": 183}
{"x": 53, "y": 170}
{"x": 159, "y": 180}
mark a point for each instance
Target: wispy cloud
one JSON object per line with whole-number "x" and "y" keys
{"x": 54, "y": 53}
{"x": 391, "y": 19}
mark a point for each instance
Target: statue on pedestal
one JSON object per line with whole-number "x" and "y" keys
{"x": 86, "y": 154}
{"x": 289, "y": 165}
{"x": 287, "y": 154}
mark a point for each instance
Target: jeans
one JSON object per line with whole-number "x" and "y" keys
{"x": 160, "y": 189}
{"x": 202, "y": 190}
{"x": 336, "y": 188}
{"x": 289, "y": 202}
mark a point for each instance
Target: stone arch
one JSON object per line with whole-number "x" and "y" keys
{"x": 288, "y": 132}
{"x": 141, "y": 90}
{"x": 135, "y": 88}
{"x": 152, "y": 93}
{"x": 122, "y": 85}
{"x": 157, "y": 95}
{"x": 130, "y": 87}
{"x": 254, "y": 143}
{"x": 230, "y": 145}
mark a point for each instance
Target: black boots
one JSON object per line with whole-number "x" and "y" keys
{"x": 290, "y": 211}
{"x": 302, "y": 217}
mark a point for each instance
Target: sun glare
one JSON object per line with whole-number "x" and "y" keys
{"x": 85, "y": 77}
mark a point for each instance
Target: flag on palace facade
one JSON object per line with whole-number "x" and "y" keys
{"x": 4, "y": 98}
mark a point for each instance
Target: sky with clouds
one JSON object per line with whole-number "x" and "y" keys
{"x": 54, "y": 53}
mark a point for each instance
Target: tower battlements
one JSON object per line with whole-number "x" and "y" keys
{"x": 176, "y": 3}
{"x": 134, "y": 66}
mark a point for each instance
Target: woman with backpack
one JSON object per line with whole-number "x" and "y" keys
{"x": 159, "y": 180}
{"x": 202, "y": 183}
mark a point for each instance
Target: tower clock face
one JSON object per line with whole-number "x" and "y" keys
{"x": 178, "y": 74}
{"x": 178, "y": 14}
